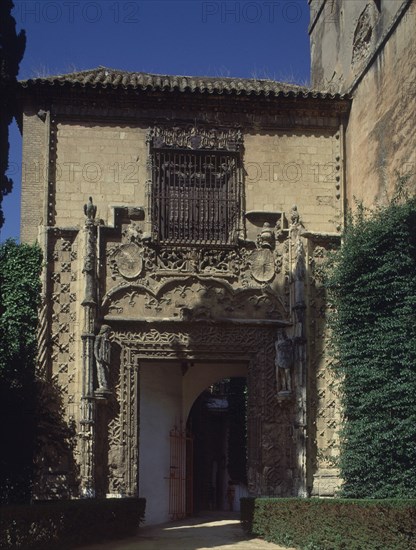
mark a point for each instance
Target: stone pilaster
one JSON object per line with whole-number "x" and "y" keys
{"x": 88, "y": 404}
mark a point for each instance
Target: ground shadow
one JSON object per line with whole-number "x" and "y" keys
{"x": 216, "y": 530}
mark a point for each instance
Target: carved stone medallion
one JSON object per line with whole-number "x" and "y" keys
{"x": 129, "y": 260}
{"x": 262, "y": 265}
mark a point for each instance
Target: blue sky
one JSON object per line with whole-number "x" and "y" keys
{"x": 262, "y": 39}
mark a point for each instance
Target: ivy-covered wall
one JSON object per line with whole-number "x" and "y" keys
{"x": 372, "y": 283}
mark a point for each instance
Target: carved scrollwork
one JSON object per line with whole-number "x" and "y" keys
{"x": 134, "y": 259}
{"x": 191, "y": 137}
{"x": 211, "y": 262}
{"x": 191, "y": 299}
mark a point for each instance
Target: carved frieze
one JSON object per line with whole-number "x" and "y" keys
{"x": 194, "y": 298}
{"x": 192, "y": 137}
{"x": 132, "y": 260}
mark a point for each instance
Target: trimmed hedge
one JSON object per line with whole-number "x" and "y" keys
{"x": 332, "y": 524}
{"x": 66, "y": 524}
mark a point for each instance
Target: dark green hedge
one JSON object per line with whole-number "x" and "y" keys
{"x": 332, "y": 524}
{"x": 66, "y": 524}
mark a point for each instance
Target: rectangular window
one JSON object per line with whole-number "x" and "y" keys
{"x": 196, "y": 196}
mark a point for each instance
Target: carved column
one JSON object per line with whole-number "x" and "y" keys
{"x": 132, "y": 383}
{"x": 89, "y": 304}
{"x": 124, "y": 426}
{"x": 299, "y": 340}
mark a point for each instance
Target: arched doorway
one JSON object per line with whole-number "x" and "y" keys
{"x": 163, "y": 370}
{"x": 166, "y": 392}
{"x": 217, "y": 422}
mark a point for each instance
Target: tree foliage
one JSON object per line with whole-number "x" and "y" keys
{"x": 12, "y": 47}
{"x": 20, "y": 267}
{"x": 372, "y": 283}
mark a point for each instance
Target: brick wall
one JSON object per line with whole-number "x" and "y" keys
{"x": 34, "y": 175}
{"x": 107, "y": 162}
{"x": 295, "y": 168}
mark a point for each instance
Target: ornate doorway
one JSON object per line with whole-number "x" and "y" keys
{"x": 180, "y": 351}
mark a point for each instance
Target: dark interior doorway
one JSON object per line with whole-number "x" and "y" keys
{"x": 218, "y": 424}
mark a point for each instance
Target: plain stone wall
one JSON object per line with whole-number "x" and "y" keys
{"x": 160, "y": 409}
{"x": 339, "y": 49}
{"x": 105, "y": 161}
{"x": 294, "y": 168}
{"x": 380, "y": 138}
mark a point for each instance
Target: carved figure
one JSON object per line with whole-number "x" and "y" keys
{"x": 283, "y": 361}
{"x": 132, "y": 233}
{"x": 102, "y": 353}
{"x": 90, "y": 209}
{"x": 294, "y": 215}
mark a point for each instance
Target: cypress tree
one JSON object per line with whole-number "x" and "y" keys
{"x": 12, "y": 47}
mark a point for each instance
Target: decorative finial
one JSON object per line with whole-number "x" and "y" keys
{"x": 266, "y": 237}
{"x": 90, "y": 209}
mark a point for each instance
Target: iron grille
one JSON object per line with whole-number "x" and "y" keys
{"x": 181, "y": 474}
{"x": 195, "y": 197}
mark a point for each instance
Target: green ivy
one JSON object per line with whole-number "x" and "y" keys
{"x": 372, "y": 286}
{"x": 20, "y": 267}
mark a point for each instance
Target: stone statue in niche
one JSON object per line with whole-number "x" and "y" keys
{"x": 283, "y": 362}
{"x": 102, "y": 354}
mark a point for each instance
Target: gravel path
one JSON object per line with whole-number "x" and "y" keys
{"x": 199, "y": 533}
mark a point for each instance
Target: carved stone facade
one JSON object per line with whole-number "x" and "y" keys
{"x": 243, "y": 294}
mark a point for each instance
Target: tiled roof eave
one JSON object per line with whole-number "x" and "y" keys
{"x": 185, "y": 85}
{"x": 244, "y": 93}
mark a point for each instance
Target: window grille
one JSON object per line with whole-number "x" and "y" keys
{"x": 196, "y": 196}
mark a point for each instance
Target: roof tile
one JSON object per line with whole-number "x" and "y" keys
{"x": 104, "y": 77}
